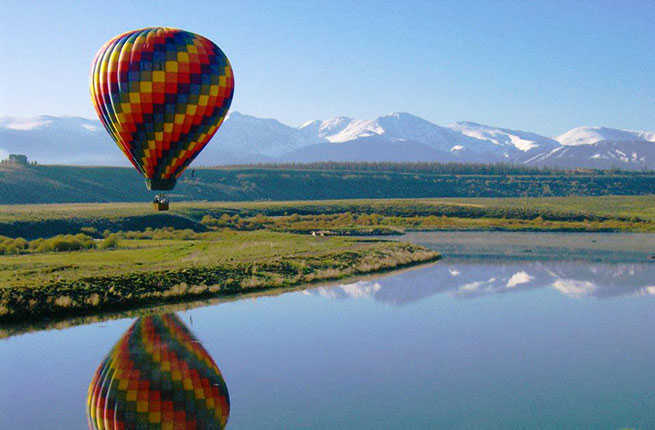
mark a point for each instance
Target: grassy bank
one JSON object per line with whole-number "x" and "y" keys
{"x": 146, "y": 270}
{"x": 370, "y": 216}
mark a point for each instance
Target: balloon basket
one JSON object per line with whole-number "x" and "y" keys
{"x": 160, "y": 202}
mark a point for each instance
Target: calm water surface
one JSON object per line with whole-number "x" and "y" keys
{"x": 466, "y": 343}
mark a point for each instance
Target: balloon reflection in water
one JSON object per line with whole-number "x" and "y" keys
{"x": 158, "y": 376}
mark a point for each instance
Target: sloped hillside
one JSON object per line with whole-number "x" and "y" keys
{"x": 71, "y": 184}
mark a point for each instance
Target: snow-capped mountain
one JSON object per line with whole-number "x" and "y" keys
{"x": 59, "y": 140}
{"x": 591, "y": 135}
{"x": 515, "y": 145}
{"x": 328, "y": 130}
{"x": 258, "y": 136}
{"x": 600, "y": 148}
{"x": 406, "y": 137}
{"x": 599, "y": 155}
{"x": 393, "y": 137}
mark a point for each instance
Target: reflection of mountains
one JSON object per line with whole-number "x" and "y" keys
{"x": 158, "y": 376}
{"x": 465, "y": 279}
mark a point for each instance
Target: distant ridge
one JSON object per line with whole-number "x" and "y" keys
{"x": 397, "y": 137}
{"x": 23, "y": 184}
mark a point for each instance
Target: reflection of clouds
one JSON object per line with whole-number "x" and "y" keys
{"x": 518, "y": 278}
{"x": 357, "y": 290}
{"x": 454, "y": 272}
{"x": 473, "y": 279}
{"x": 478, "y": 288}
{"x": 472, "y": 286}
{"x": 574, "y": 288}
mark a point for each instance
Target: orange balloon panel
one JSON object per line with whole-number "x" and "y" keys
{"x": 161, "y": 93}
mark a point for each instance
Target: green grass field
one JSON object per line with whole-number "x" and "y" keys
{"x": 601, "y": 205}
{"x": 601, "y": 213}
{"x": 214, "y": 248}
{"x": 36, "y": 285}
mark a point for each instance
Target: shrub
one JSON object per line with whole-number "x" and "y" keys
{"x": 208, "y": 220}
{"x": 110, "y": 242}
{"x": 21, "y": 243}
{"x": 91, "y": 231}
{"x": 65, "y": 242}
{"x": 9, "y": 249}
{"x": 9, "y": 246}
{"x": 34, "y": 244}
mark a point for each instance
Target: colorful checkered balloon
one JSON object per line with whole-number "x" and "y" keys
{"x": 158, "y": 376}
{"x": 161, "y": 93}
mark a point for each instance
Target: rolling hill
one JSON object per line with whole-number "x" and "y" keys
{"x": 70, "y": 184}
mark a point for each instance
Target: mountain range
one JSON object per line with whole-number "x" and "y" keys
{"x": 396, "y": 137}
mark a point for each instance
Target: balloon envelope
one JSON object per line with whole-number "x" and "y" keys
{"x": 158, "y": 376}
{"x": 161, "y": 93}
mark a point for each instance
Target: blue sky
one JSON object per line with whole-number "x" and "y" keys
{"x": 541, "y": 66}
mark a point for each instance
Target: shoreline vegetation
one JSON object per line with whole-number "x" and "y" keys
{"x": 184, "y": 266}
{"x": 67, "y": 260}
{"x": 66, "y": 321}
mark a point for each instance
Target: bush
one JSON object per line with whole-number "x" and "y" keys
{"x": 110, "y": 242}
{"x": 9, "y": 246}
{"x": 34, "y": 244}
{"x": 208, "y": 220}
{"x": 91, "y": 231}
{"x": 9, "y": 249}
{"x": 65, "y": 242}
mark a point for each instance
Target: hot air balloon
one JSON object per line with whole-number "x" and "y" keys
{"x": 161, "y": 93}
{"x": 158, "y": 376}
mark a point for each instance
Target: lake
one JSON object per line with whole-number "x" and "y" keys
{"x": 509, "y": 330}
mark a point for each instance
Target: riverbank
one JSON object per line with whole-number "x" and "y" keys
{"x": 151, "y": 269}
{"x": 61, "y": 322}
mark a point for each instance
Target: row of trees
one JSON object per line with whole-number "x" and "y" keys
{"x": 435, "y": 167}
